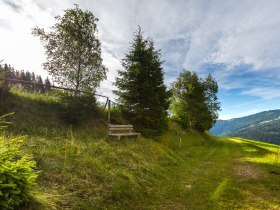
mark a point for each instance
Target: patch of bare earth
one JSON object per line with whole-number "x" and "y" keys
{"x": 173, "y": 206}
{"x": 246, "y": 171}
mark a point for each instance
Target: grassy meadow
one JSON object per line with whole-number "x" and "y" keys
{"x": 81, "y": 168}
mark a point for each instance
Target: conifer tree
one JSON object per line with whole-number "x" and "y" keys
{"x": 1, "y": 76}
{"x": 4, "y": 85}
{"x": 40, "y": 87}
{"x": 28, "y": 78}
{"x": 17, "y": 75}
{"x": 141, "y": 90}
{"x": 47, "y": 83}
{"x": 33, "y": 77}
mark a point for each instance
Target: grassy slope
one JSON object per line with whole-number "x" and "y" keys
{"x": 81, "y": 169}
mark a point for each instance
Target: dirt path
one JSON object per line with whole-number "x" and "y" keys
{"x": 218, "y": 177}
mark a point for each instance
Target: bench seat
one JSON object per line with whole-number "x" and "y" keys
{"x": 119, "y": 131}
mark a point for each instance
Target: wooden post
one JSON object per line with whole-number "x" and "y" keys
{"x": 105, "y": 104}
{"x": 109, "y": 111}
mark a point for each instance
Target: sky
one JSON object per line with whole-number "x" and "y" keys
{"x": 237, "y": 41}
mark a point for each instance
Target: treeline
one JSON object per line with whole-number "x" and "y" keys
{"x": 267, "y": 132}
{"x": 263, "y": 126}
{"x": 145, "y": 101}
{"x": 74, "y": 61}
{"x": 9, "y": 72}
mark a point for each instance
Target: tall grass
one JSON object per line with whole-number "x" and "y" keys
{"x": 81, "y": 168}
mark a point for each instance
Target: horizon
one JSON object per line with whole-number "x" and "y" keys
{"x": 249, "y": 115}
{"x": 235, "y": 41}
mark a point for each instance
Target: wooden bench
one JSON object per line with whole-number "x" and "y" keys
{"x": 121, "y": 130}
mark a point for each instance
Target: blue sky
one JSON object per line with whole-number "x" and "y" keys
{"x": 237, "y": 41}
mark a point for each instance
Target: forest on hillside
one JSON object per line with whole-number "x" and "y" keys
{"x": 10, "y": 72}
{"x": 266, "y": 132}
{"x": 263, "y": 126}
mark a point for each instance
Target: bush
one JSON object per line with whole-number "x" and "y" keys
{"x": 17, "y": 175}
{"x": 117, "y": 116}
{"x": 77, "y": 109}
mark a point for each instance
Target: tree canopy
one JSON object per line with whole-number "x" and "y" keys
{"x": 194, "y": 102}
{"x": 142, "y": 94}
{"x": 73, "y": 50}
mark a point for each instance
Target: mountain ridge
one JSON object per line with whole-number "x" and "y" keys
{"x": 263, "y": 126}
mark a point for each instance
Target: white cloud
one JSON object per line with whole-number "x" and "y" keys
{"x": 206, "y": 36}
{"x": 265, "y": 93}
{"x": 234, "y": 33}
{"x": 18, "y": 47}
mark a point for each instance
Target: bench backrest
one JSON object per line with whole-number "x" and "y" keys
{"x": 119, "y": 128}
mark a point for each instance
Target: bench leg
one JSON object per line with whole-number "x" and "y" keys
{"x": 119, "y": 137}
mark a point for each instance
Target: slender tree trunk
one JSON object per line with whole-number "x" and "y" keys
{"x": 78, "y": 79}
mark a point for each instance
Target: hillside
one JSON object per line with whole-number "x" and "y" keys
{"x": 264, "y": 126}
{"x": 80, "y": 168}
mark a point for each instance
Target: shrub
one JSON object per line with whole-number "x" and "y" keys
{"x": 116, "y": 116}
{"x": 17, "y": 175}
{"x": 77, "y": 109}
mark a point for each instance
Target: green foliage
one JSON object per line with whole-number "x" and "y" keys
{"x": 194, "y": 102}
{"x": 3, "y": 123}
{"x": 17, "y": 175}
{"x": 4, "y": 88}
{"x": 142, "y": 93}
{"x": 9, "y": 72}
{"x": 117, "y": 116}
{"x": 263, "y": 126}
{"x": 82, "y": 169}
{"x": 73, "y": 50}
{"x": 1, "y": 75}
{"x": 77, "y": 109}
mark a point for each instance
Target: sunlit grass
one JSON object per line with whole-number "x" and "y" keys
{"x": 265, "y": 153}
{"x": 264, "y": 145}
{"x": 83, "y": 169}
{"x": 49, "y": 98}
{"x": 220, "y": 188}
{"x": 272, "y": 159}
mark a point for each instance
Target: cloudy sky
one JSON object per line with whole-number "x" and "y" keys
{"x": 237, "y": 41}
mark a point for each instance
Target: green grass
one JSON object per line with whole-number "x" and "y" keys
{"x": 80, "y": 168}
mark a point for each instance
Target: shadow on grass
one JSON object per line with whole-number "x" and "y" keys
{"x": 41, "y": 115}
{"x": 262, "y": 185}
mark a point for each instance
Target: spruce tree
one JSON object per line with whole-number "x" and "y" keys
{"x": 40, "y": 87}
{"x": 2, "y": 74}
{"x": 47, "y": 83}
{"x": 142, "y": 94}
{"x": 28, "y": 78}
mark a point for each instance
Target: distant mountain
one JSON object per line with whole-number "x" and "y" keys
{"x": 263, "y": 126}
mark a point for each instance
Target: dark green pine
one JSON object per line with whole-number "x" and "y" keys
{"x": 142, "y": 93}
